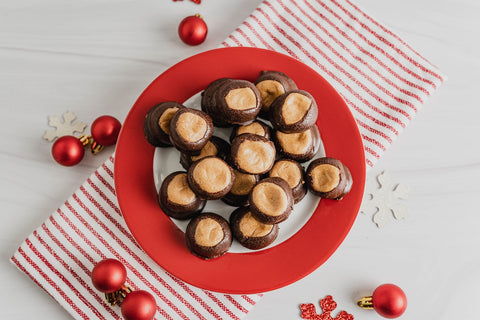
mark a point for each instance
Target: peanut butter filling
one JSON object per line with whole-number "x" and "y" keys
{"x": 191, "y": 127}
{"x": 270, "y": 198}
{"x": 243, "y": 183}
{"x": 254, "y": 127}
{"x": 241, "y": 99}
{"x": 208, "y": 233}
{"x": 255, "y": 156}
{"x": 209, "y": 150}
{"x": 165, "y": 118}
{"x": 325, "y": 177}
{"x": 295, "y": 107}
{"x": 212, "y": 175}
{"x": 269, "y": 90}
{"x": 296, "y": 143}
{"x": 179, "y": 192}
{"x": 251, "y": 227}
{"x": 288, "y": 171}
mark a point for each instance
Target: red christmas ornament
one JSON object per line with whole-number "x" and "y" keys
{"x": 105, "y": 130}
{"x": 195, "y": 1}
{"x": 388, "y": 300}
{"x": 139, "y": 305}
{"x": 109, "y": 275}
{"x": 193, "y": 30}
{"x": 68, "y": 151}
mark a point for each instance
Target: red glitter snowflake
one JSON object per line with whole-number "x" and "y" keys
{"x": 328, "y": 305}
{"x": 196, "y": 1}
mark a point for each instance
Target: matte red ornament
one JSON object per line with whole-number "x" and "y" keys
{"x": 105, "y": 130}
{"x": 388, "y": 300}
{"x": 328, "y": 305}
{"x": 193, "y": 30}
{"x": 68, "y": 151}
{"x": 139, "y": 305}
{"x": 109, "y": 275}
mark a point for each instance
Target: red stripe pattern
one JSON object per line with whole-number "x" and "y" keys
{"x": 383, "y": 81}
{"x": 87, "y": 228}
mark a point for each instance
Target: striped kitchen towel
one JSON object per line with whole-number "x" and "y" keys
{"x": 87, "y": 228}
{"x": 383, "y": 81}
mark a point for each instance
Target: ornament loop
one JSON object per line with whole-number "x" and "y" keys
{"x": 85, "y": 139}
{"x": 96, "y": 147}
{"x": 365, "y": 303}
{"x": 118, "y": 296}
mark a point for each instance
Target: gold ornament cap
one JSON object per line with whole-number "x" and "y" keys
{"x": 365, "y": 303}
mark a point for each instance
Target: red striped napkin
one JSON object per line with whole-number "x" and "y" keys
{"x": 87, "y": 228}
{"x": 383, "y": 81}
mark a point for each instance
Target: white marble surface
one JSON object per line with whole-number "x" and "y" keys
{"x": 95, "y": 57}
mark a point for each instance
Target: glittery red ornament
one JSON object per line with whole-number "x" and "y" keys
{"x": 388, "y": 300}
{"x": 328, "y": 305}
{"x": 195, "y": 1}
{"x": 139, "y": 305}
{"x": 105, "y": 130}
{"x": 193, "y": 30}
{"x": 109, "y": 275}
{"x": 68, "y": 151}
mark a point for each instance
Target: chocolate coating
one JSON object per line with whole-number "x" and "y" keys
{"x": 266, "y": 128}
{"x": 153, "y": 132}
{"x": 175, "y": 210}
{"x": 235, "y": 200}
{"x": 203, "y": 251}
{"x": 302, "y": 157}
{"x": 300, "y": 190}
{"x": 236, "y": 144}
{"x": 277, "y": 116}
{"x": 199, "y": 189}
{"x": 223, "y": 152}
{"x": 238, "y": 200}
{"x": 344, "y": 185}
{"x": 265, "y": 217}
{"x": 254, "y": 243}
{"x": 183, "y": 145}
{"x": 236, "y": 116}
{"x": 279, "y": 76}
{"x": 209, "y": 104}
{"x": 286, "y": 82}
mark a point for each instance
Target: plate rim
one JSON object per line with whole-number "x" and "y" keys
{"x": 358, "y": 184}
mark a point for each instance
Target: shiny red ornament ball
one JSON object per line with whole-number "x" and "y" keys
{"x": 389, "y": 301}
{"x": 68, "y": 151}
{"x": 193, "y": 30}
{"x": 105, "y": 130}
{"x": 139, "y": 305}
{"x": 109, "y": 275}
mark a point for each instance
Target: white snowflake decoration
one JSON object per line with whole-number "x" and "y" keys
{"x": 63, "y": 127}
{"x": 382, "y": 197}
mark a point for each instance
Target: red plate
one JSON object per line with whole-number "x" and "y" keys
{"x": 237, "y": 273}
